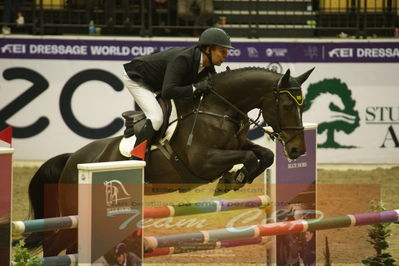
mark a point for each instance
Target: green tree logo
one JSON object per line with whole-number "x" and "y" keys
{"x": 332, "y": 100}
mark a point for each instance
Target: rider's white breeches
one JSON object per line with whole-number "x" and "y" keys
{"x": 145, "y": 98}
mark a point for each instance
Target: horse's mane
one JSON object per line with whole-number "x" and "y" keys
{"x": 228, "y": 72}
{"x": 234, "y": 71}
{"x": 238, "y": 70}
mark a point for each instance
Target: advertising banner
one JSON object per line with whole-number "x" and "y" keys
{"x": 61, "y": 93}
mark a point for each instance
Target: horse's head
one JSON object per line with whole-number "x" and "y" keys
{"x": 283, "y": 112}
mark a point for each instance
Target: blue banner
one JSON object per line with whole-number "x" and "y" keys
{"x": 262, "y": 51}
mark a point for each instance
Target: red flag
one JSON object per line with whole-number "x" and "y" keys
{"x": 6, "y": 135}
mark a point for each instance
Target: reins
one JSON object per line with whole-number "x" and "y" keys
{"x": 272, "y": 135}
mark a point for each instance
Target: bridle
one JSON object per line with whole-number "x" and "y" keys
{"x": 298, "y": 100}
{"x": 276, "y": 134}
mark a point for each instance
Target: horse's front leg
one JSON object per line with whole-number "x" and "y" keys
{"x": 264, "y": 155}
{"x": 221, "y": 161}
{"x": 225, "y": 159}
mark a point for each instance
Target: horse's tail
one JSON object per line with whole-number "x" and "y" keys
{"x": 43, "y": 195}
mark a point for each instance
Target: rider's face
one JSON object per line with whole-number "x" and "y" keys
{"x": 121, "y": 258}
{"x": 219, "y": 55}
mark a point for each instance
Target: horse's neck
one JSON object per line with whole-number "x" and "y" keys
{"x": 246, "y": 90}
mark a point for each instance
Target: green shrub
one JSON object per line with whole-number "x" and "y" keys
{"x": 22, "y": 257}
{"x": 378, "y": 235}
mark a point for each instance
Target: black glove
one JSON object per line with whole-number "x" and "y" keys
{"x": 202, "y": 87}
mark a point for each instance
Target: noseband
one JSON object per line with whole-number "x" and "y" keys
{"x": 298, "y": 102}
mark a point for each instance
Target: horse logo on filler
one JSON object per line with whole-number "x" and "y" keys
{"x": 115, "y": 192}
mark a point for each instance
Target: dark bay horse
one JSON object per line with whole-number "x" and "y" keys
{"x": 219, "y": 142}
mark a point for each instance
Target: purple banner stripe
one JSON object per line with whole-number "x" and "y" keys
{"x": 249, "y": 202}
{"x": 376, "y": 217}
{"x": 265, "y": 51}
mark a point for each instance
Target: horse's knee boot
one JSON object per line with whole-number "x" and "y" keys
{"x": 241, "y": 176}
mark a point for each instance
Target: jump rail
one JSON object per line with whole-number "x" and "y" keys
{"x": 42, "y": 225}
{"x": 71, "y": 259}
{"x": 199, "y": 246}
{"x": 69, "y": 222}
{"x": 281, "y": 228}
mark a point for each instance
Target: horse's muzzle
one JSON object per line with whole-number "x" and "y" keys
{"x": 294, "y": 152}
{"x": 293, "y": 142}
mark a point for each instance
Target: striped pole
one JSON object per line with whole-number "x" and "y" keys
{"x": 199, "y": 247}
{"x": 69, "y": 222}
{"x": 71, "y": 259}
{"x": 282, "y": 228}
{"x": 206, "y": 207}
{"x": 47, "y": 224}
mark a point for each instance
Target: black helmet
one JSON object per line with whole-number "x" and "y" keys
{"x": 215, "y": 36}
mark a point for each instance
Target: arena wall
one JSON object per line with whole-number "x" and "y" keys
{"x": 70, "y": 92}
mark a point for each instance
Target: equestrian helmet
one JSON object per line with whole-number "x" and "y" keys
{"x": 215, "y": 36}
{"x": 121, "y": 248}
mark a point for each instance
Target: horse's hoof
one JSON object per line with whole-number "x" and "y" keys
{"x": 224, "y": 184}
{"x": 222, "y": 189}
{"x": 230, "y": 182}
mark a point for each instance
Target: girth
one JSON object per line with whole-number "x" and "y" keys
{"x": 189, "y": 177}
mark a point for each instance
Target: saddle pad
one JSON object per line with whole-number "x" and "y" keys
{"x": 127, "y": 144}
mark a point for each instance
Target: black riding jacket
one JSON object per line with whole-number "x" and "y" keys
{"x": 172, "y": 71}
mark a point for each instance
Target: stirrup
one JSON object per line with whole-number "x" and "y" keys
{"x": 131, "y": 119}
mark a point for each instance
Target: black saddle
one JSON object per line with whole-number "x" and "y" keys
{"x": 135, "y": 120}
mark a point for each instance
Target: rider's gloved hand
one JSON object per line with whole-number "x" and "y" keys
{"x": 202, "y": 87}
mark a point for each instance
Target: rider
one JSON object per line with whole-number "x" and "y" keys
{"x": 175, "y": 73}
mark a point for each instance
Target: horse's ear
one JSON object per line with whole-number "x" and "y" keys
{"x": 302, "y": 78}
{"x": 284, "y": 81}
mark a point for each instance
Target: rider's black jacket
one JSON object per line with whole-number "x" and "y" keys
{"x": 172, "y": 71}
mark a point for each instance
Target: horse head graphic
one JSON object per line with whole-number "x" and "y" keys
{"x": 115, "y": 191}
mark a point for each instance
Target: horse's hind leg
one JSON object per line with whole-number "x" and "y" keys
{"x": 59, "y": 241}
{"x": 73, "y": 249}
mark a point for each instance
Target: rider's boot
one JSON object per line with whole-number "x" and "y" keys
{"x": 143, "y": 142}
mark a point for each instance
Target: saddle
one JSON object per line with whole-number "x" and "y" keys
{"x": 135, "y": 120}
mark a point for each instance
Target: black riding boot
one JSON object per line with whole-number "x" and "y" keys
{"x": 143, "y": 142}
